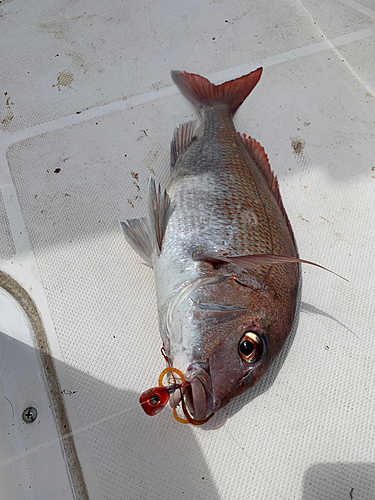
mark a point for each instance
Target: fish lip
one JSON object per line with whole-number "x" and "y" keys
{"x": 199, "y": 371}
{"x": 199, "y": 391}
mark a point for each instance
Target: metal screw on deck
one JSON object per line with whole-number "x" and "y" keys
{"x": 29, "y": 415}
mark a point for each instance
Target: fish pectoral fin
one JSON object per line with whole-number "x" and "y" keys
{"x": 183, "y": 137}
{"x": 253, "y": 261}
{"x": 259, "y": 156}
{"x": 159, "y": 211}
{"x": 138, "y": 235}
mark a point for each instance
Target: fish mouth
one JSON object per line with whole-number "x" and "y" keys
{"x": 198, "y": 392}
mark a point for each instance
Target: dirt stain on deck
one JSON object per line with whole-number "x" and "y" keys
{"x": 150, "y": 160}
{"x": 135, "y": 181}
{"x": 65, "y": 79}
{"x": 298, "y": 145}
{"x": 9, "y": 116}
{"x": 298, "y": 148}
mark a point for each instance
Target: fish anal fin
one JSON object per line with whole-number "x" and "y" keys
{"x": 137, "y": 234}
{"x": 159, "y": 211}
{"x": 259, "y": 156}
{"x": 183, "y": 137}
{"x": 201, "y": 92}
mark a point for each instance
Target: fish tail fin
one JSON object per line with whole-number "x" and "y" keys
{"x": 201, "y": 92}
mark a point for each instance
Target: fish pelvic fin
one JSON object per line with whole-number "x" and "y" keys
{"x": 159, "y": 210}
{"x": 183, "y": 137}
{"x": 201, "y": 92}
{"x": 259, "y": 156}
{"x": 138, "y": 235}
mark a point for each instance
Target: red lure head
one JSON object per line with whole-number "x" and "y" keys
{"x": 154, "y": 400}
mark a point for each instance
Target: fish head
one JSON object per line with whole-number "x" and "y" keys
{"x": 234, "y": 333}
{"x": 233, "y": 364}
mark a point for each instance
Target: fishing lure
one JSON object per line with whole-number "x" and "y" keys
{"x": 154, "y": 400}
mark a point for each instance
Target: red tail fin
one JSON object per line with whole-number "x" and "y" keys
{"x": 201, "y": 92}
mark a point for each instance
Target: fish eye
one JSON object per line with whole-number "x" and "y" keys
{"x": 250, "y": 347}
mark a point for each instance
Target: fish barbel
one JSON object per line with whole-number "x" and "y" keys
{"x": 222, "y": 249}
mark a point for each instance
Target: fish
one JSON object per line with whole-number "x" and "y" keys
{"x": 225, "y": 260}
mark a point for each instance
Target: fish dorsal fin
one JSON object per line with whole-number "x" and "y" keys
{"x": 138, "y": 235}
{"x": 183, "y": 137}
{"x": 158, "y": 212}
{"x": 259, "y": 156}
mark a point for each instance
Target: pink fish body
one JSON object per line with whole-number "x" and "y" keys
{"x": 222, "y": 250}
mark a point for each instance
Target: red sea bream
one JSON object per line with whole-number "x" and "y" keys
{"x": 222, "y": 249}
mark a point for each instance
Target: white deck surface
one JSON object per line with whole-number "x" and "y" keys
{"x": 87, "y": 113}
